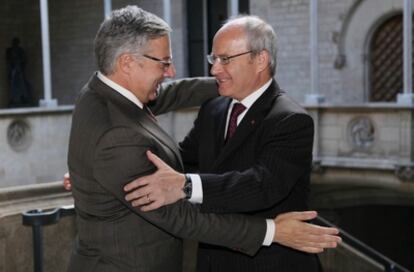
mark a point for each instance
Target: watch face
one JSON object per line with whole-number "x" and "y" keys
{"x": 188, "y": 187}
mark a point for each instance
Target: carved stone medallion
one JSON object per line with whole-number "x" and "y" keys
{"x": 361, "y": 133}
{"x": 19, "y": 135}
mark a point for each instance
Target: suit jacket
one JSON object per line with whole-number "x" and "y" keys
{"x": 264, "y": 170}
{"x": 108, "y": 141}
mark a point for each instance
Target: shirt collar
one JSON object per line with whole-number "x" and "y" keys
{"x": 124, "y": 92}
{"x": 249, "y": 100}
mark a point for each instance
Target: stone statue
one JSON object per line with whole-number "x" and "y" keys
{"x": 20, "y": 93}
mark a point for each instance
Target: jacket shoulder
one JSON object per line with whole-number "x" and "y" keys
{"x": 286, "y": 105}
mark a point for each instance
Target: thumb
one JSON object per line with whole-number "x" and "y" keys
{"x": 160, "y": 164}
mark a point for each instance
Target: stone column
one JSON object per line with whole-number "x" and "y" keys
{"x": 314, "y": 98}
{"x": 407, "y": 97}
{"x": 107, "y": 7}
{"x": 47, "y": 100}
{"x": 232, "y": 7}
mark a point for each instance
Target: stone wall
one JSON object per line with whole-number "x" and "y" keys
{"x": 345, "y": 29}
{"x": 72, "y": 27}
{"x": 365, "y": 143}
{"x": 35, "y": 142}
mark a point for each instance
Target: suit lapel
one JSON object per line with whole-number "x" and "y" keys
{"x": 157, "y": 132}
{"x": 221, "y": 119}
{"x": 137, "y": 116}
{"x": 251, "y": 121}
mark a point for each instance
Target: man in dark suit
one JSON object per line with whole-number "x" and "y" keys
{"x": 112, "y": 129}
{"x": 262, "y": 168}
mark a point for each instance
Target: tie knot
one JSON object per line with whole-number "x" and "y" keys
{"x": 238, "y": 108}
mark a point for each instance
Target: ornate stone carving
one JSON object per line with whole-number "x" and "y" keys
{"x": 19, "y": 135}
{"x": 317, "y": 166}
{"x": 361, "y": 133}
{"x": 405, "y": 172}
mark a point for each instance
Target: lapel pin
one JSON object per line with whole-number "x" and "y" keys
{"x": 253, "y": 122}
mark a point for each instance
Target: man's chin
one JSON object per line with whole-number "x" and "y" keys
{"x": 153, "y": 96}
{"x": 223, "y": 92}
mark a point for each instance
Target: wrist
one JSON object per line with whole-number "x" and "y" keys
{"x": 188, "y": 186}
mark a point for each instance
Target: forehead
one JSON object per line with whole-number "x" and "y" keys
{"x": 229, "y": 39}
{"x": 160, "y": 45}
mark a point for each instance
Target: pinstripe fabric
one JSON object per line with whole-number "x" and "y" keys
{"x": 264, "y": 170}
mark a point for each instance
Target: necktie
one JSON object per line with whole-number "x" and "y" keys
{"x": 149, "y": 112}
{"x": 238, "y": 108}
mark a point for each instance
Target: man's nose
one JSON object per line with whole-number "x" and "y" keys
{"x": 170, "y": 71}
{"x": 216, "y": 67}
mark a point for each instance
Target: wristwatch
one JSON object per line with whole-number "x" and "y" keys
{"x": 188, "y": 187}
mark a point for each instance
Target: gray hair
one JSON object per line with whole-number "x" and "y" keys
{"x": 260, "y": 36}
{"x": 126, "y": 30}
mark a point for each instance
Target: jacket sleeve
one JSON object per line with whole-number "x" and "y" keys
{"x": 120, "y": 158}
{"x": 184, "y": 93}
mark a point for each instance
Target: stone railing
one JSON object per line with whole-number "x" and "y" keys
{"x": 16, "y": 245}
{"x": 35, "y": 141}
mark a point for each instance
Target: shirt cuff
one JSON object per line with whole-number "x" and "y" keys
{"x": 270, "y": 232}
{"x": 197, "y": 193}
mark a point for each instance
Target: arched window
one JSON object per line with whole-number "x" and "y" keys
{"x": 386, "y": 61}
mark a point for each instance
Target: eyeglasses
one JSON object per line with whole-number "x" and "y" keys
{"x": 224, "y": 59}
{"x": 165, "y": 63}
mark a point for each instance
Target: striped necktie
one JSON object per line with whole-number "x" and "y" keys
{"x": 238, "y": 108}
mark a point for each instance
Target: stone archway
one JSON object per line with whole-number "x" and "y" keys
{"x": 355, "y": 34}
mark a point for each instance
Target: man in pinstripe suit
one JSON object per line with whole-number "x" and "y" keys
{"x": 262, "y": 168}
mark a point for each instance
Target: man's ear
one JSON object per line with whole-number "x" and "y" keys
{"x": 262, "y": 59}
{"x": 124, "y": 63}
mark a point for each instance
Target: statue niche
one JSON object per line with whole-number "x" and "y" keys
{"x": 20, "y": 90}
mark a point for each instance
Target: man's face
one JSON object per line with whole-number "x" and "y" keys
{"x": 151, "y": 69}
{"x": 238, "y": 78}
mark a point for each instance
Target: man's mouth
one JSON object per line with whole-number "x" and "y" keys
{"x": 158, "y": 88}
{"x": 221, "y": 80}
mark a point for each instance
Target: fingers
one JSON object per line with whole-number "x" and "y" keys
{"x": 160, "y": 164}
{"x": 67, "y": 185}
{"x": 152, "y": 206}
{"x": 311, "y": 249}
{"x": 321, "y": 241}
{"x": 147, "y": 202}
{"x": 302, "y": 216}
{"x": 66, "y": 182}
{"x": 137, "y": 194}
{"x": 293, "y": 231}
{"x": 139, "y": 182}
{"x": 319, "y": 230}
